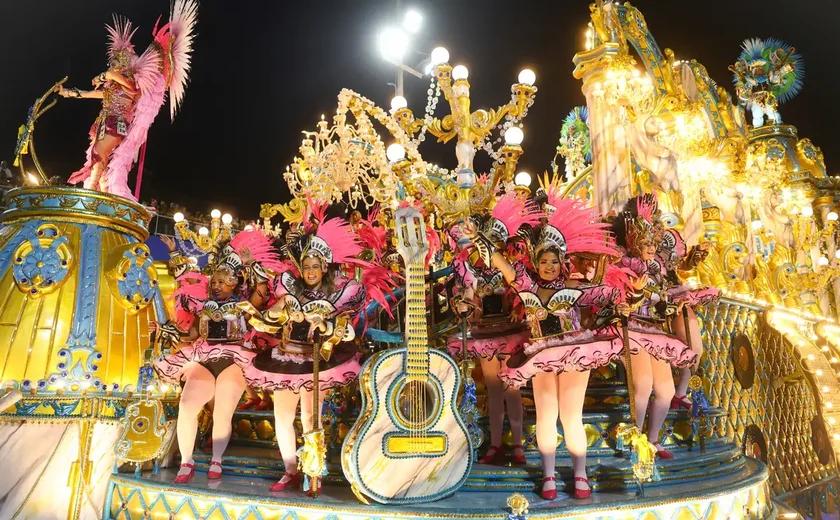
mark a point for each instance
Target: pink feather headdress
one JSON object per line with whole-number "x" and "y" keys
{"x": 573, "y": 227}
{"x": 249, "y": 253}
{"x": 510, "y": 213}
{"x": 120, "y": 48}
{"x": 644, "y": 227}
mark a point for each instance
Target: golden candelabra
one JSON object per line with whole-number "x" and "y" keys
{"x": 205, "y": 240}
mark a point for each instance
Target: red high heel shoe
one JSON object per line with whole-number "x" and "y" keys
{"x": 283, "y": 484}
{"x": 581, "y": 494}
{"x": 662, "y": 453}
{"x": 264, "y": 404}
{"x": 548, "y": 494}
{"x": 680, "y": 402}
{"x": 185, "y": 477}
{"x": 517, "y": 456}
{"x": 495, "y": 455}
{"x": 214, "y": 475}
{"x": 249, "y": 403}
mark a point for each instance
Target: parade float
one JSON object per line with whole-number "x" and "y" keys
{"x": 87, "y": 429}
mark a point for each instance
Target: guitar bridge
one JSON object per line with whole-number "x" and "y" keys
{"x": 423, "y": 444}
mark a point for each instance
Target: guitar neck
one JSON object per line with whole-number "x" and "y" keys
{"x": 416, "y": 334}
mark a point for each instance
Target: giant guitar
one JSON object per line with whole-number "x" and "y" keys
{"x": 409, "y": 444}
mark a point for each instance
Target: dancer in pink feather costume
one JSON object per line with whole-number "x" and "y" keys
{"x": 132, "y": 90}
{"x": 494, "y": 330}
{"x": 565, "y": 342}
{"x": 205, "y": 341}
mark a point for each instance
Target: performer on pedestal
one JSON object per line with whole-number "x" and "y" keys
{"x": 207, "y": 340}
{"x": 564, "y": 344}
{"x": 494, "y": 330}
{"x": 654, "y": 349}
{"x": 132, "y": 90}
{"x": 315, "y": 302}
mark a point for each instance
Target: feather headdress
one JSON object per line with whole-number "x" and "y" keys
{"x": 572, "y": 227}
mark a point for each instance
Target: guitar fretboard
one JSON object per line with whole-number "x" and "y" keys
{"x": 416, "y": 334}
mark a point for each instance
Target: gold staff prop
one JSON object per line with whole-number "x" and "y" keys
{"x": 26, "y": 133}
{"x": 643, "y": 452}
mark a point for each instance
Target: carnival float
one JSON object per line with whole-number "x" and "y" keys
{"x": 670, "y": 291}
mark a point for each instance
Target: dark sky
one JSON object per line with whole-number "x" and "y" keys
{"x": 264, "y": 70}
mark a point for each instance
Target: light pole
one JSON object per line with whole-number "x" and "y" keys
{"x": 395, "y": 41}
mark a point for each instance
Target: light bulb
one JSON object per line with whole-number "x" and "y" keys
{"x": 837, "y": 254}
{"x": 203, "y": 231}
{"x": 178, "y": 217}
{"x": 398, "y": 102}
{"x": 412, "y": 21}
{"x": 832, "y": 216}
{"x": 822, "y": 261}
{"x": 522, "y": 178}
{"x": 439, "y": 55}
{"x": 514, "y": 136}
{"x": 807, "y": 211}
{"x": 757, "y": 224}
{"x": 395, "y": 152}
{"x": 215, "y": 213}
{"x": 460, "y": 72}
{"x": 527, "y": 77}
{"x": 227, "y": 219}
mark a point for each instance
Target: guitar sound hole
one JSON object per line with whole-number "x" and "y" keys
{"x": 417, "y": 404}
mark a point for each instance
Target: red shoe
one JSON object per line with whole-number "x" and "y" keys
{"x": 495, "y": 455}
{"x": 517, "y": 457}
{"x": 680, "y": 401}
{"x": 287, "y": 481}
{"x": 264, "y": 404}
{"x": 662, "y": 453}
{"x": 249, "y": 403}
{"x": 548, "y": 494}
{"x": 183, "y": 478}
{"x": 212, "y": 474}
{"x": 581, "y": 494}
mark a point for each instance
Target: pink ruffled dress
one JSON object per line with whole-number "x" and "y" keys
{"x": 559, "y": 343}
{"x": 285, "y": 362}
{"x": 492, "y": 332}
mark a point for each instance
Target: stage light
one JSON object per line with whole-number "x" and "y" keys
{"x": 393, "y": 44}
{"x": 460, "y": 72}
{"x": 439, "y": 56}
{"x": 527, "y": 77}
{"x": 514, "y": 136}
{"x": 412, "y": 21}
{"x": 395, "y": 152}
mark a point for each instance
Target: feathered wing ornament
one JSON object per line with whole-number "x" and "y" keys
{"x": 175, "y": 40}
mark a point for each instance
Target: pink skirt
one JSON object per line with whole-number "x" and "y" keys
{"x": 659, "y": 344}
{"x": 572, "y": 351}
{"x": 693, "y": 297}
{"x": 171, "y": 368}
{"x": 488, "y": 348}
{"x": 272, "y": 371}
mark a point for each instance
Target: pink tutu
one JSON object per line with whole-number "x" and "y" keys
{"x": 488, "y": 348}
{"x": 171, "y": 367}
{"x": 271, "y": 370}
{"x": 571, "y": 351}
{"x": 659, "y": 344}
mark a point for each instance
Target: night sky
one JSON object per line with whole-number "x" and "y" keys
{"x": 265, "y": 70}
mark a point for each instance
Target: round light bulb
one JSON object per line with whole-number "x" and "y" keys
{"x": 522, "y": 179}
{"x": 837, "y": 254}
{"x": 398, "y": 102}
{"x": 757, "y": 224}
{"x": 439, "y": 55}
{"x": 215, "y": 213}
{"x": 203, "y": 231}
{"x": 460, "y": 72}
{"x": 178, "y": 217}
{"x": 393, "y": 44}
{"x": 822, "y": 261}
{"x": 227, "y": 219}
{"x": 527, "y": 77}
{"x": 395, "y": 152}
{"x": 832, "y": 216}
{"x": 794, "y": 211}
{"x": 514, "y": 136}
{"x": 807, "y": 211}
{"x": 412, "y": 21}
